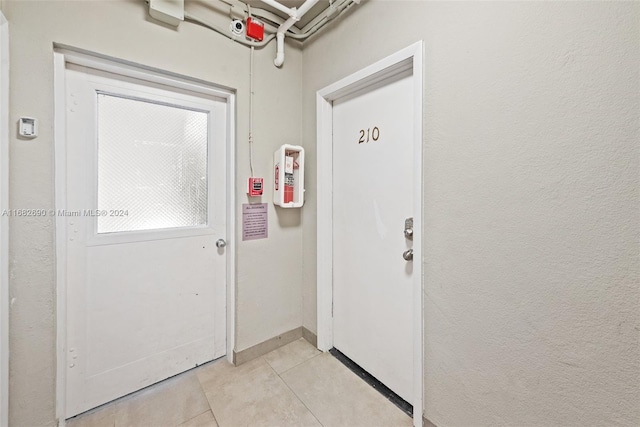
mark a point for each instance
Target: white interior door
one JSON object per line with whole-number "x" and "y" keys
{"x": 145, "y": 205}
{"x": 373, "y": 187}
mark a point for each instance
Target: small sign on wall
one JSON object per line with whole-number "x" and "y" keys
{"x": 255, "y": 223}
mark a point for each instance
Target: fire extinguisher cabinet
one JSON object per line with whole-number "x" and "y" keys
{"x": 288, "y": 186}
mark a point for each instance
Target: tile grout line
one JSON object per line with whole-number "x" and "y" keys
{"x": 208, "y": 403}
{"x": 196, "y": 416}
{"x": 294, "y": 393}
{"x": 295, "y": 366}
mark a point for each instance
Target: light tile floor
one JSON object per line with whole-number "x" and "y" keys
{"x": 295, "y": 385}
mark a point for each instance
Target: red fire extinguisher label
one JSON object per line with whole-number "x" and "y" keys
{"x": 288, "y": 187}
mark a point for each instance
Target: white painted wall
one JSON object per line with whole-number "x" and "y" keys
{"x": 269, "y": 271}
{"x": 4, "y": 221}
{"x": 531, "y": 202}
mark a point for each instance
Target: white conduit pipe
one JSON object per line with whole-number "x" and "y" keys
{"x": 305, "y": 7}
{"x": 342, "y": 7}
{"x": 282, "y": 8}
{"x": 280, "y": 41}
{"x": 339, "y": 11}
{"x": 294, "y": 16}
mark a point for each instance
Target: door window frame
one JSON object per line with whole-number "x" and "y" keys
{"x": 409, "y": 58}
{"x": 130, "y": 89}
{"x": 64, "y": 55}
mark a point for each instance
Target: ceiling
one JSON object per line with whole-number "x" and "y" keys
{"x": 312, "y": 13}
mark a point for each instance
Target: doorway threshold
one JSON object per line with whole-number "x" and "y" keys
{"x": 405, "y": 406}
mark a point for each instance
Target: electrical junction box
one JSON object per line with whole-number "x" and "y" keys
{"x": 255, "y": 29}
{"x": 288, "y": 185}
{"x": 168, "y": 11}
{"x": 256, "y": 186}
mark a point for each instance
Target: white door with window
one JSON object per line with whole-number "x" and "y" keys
{"x": 145, "y": 205}
{"x": 373, "y": 196}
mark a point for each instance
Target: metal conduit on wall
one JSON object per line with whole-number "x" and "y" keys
{"x": 285, "y": 28}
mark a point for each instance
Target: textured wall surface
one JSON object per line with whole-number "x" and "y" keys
{"x": 268, "y": 294}
{"x": 531, "y": 202}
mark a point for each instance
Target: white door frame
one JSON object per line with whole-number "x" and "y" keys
{"x": 406, "y": 59}
{"x": 66, "y": 54}
{"x": 4, "y": 221}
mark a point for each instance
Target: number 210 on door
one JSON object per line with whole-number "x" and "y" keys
{"x": 369, "y": 135}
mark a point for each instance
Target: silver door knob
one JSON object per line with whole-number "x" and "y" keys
{"x": 221, "y": 243}
{"x": 408, "y": 255}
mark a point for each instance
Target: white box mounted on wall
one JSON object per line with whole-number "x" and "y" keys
{"x": 168, "y": 11}
{"x": 288, "y": 185}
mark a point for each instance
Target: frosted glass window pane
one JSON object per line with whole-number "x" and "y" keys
{"x": 152, "y": 163}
